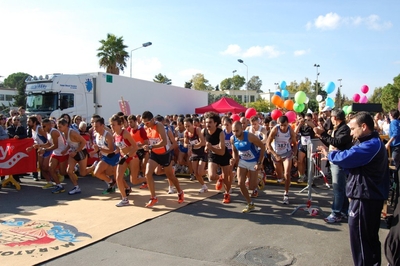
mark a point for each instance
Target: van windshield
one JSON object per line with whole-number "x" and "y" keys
{"x": 41, "y": 102}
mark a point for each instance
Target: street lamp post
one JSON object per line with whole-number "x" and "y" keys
{"x": 340, "y": 83}
{"x": 316, "y": 84}
{"x": 233, "y": 73}
{"x": 143, "y": 45}
{"x": 247, "y": 80}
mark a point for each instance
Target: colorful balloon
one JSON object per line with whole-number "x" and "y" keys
{"x": 278, "y": 93}
{"x": 363, "y": 99}
{"x": 300, "y": 97}
{"x": 250, "y": 112}
{"x": 364, "y": 89}
{"x": 288, "y": 104}
{"x": 329, "y": 102}
{"x": 307, "y": 100}
{"x": 235, "y": 117}
{"x": 344, "y": 109}
{"x": 319, "y": 98}
{"x": 283, "y": 85}
{"x": 275, "y": 100}
{"x": 329, "y": 87}
{"x": 275, "y": 114}
{"x": 285, "y": 93}
{"x": 356, "y": 97}
{"x": 298, "y": 107}
{"x": 291, "y": 116}
{"x": 281, "y": 103}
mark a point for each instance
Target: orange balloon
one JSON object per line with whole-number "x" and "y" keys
{"x": 275, "y": 100}
{"x": 281, "y": 103}
{"x": 288, "y": 105}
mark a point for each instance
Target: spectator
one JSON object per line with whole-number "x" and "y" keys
{"x": 76, "y": 121}
{"x": 16, "y": 130}
{"x": 22, "y": 116}
{"x": 394, "y": 137}
{"x": 3, "y": 131}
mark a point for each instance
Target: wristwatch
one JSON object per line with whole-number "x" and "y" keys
{"x": 150, "y": 147}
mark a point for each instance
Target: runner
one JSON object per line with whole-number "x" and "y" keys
{"x": 182, "y": 160}
{"x": 248, "y": 150}
{"x": 127, "y": 148}
{"x": 159, "y": 155}
{"x": 59, "y": 156}
{"x": 39, "y": 137}
{"x": 77, "y": 154}
{"x": 218, "y": 154}
{"x": 194, "y": 141}
{"x": 104, "y": 145}
{"x": 284, "y": 142}
{"x": 139, "y": 135}
{"x": 227, "y": 127}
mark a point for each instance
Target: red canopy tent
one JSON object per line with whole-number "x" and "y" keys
{"x": 224, "y": 105}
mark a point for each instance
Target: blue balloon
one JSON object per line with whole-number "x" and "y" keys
{"x": 283, "y": 85}
{"x": 329, "y": 87}
{"x": 285, "y": 93}
{"x": 278, "y": 93}
{"x": 329, "y": 102}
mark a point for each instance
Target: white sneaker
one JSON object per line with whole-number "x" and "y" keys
{"x": 192, "y": 177}
{"x": 123, "y": 202}
{"x": 171, "y": 190}
{"x": 280, "y": 180}
{"x": 203, "y": 189}
{"x": 301, "y": 179}
{"x": 286, "y": 199}
{"x": 75, "y": 190}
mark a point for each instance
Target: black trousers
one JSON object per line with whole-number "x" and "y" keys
{"x": 364, "y": 223}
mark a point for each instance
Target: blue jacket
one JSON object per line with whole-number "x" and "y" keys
{"x": 394, "y": 131}
{"x": 368, "y": 167}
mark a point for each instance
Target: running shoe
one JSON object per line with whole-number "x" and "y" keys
{"x": 47, "y": 186}
{"x": 151, "y": 202}
{"x": 75, "y": 190}
{"x": 192, "y": 177}
{"x": 249, "y": 207}
{"x": 203, "y": 189}
{"x": 286, "y": 199}
{"x": 220, "y": 181}
{"x": 123, "y": 202}
{"x": 280, "y": 180}
{"x": 227, "y": 198}
{"x": 301, "y": 179}
{"x": 260, "y": 184}
{"x": 58, "y": 189}
{"x": 332, "y": 218}
{"x": 171, "y": 190}
{"x": 181, "y": 197}
{"x": 109, "y": 190}
{"x": 144, "y": 186}
{"x": 254, "y": 194}
{"x": 128, "y": 191}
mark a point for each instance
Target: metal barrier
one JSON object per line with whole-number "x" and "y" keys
{"x": 315, "y": 166}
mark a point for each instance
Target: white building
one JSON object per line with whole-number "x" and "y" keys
{"x": 6, "y": 96}
{"x": 242, "y": 95}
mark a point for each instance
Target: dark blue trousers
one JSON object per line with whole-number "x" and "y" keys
{"x": 364, "y": 223}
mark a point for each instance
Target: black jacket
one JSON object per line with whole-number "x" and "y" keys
{"x": 16, "y": 131}
{"x": 342, "y": 140}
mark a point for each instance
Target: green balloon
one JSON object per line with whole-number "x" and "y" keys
{"x": 344, "y": 108}
{"x": 349, "y": 109}
{"x": 298, "y": 107}
{"x": 300, "y": 97}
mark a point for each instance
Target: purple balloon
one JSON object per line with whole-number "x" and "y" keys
{"x": 363, "y": 99}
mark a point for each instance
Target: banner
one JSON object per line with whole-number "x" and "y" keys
{"x": 14, "y": 159}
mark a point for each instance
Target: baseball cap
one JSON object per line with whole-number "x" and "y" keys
{"x": 327, "y": 108}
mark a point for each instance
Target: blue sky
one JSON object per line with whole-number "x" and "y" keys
{"x": 356, "y": 41}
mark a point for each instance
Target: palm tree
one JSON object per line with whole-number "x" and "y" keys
{"x": 160, "y": 78}
{"x": 112, "y": 54}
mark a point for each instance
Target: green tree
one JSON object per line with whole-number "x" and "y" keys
{"x": 160, "y": 78}
{"x": 390, "y": 97}
{"x": 376, "y": 96}
{"x": 188, "y": 84}
{"x": 262, "y": 105}
{"x": 227, "y": 84}
{"x": 112, "y": 54}
{"x": 17, "y": 81}
{"x": 238, "y": 82}
{"x": 312, "y": 105}
{"x": 200, "y": 83}
{"x": 255, "y": 84}
{"x": 294, "y": 87}
{"x": 338, "y": 99}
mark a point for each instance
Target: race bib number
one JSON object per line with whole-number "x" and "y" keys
{"x": 153, "y": 141}
{"x": 305, "y": 140}
{"x": 228, "y": 144}
{"x": 246, "y": 155}
{"x": 194, "y": 142}
{"x": 281, "y": 146}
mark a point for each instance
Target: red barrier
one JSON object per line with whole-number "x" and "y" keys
{"x": 14, "y": 159}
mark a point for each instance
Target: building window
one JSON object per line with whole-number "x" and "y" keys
{"x": 252, "y": 98}
{"x": 240, "y": 98}
{"x": 1, "y": 97}
{"x": 9, "y": 97}
{"x": 67, "y": 100}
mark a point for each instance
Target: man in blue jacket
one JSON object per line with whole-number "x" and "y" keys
{"x": 367, "y": 187}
